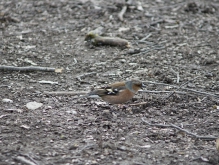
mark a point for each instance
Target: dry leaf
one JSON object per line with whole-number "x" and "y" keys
{"x": 59, "y": 70}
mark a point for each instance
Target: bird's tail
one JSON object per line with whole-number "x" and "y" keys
{"x": 93, "y": 94}
{"x": 99, "y": 93}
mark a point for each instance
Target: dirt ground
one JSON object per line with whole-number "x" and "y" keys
{"x": 173, "y": 42}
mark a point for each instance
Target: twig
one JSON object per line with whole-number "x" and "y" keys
{"x": 84, "y": 75}
{"x": 177, "y": 75}
{"x": 177, "y": 81}
{"x": 47, "y": 82}
{"x": 157, "y": 22}
{"x": 3, "y": 116}
{"x": 27, "y": 68}
{"x": 178, "y": 88}
{"x": 97, "y": 40}
{"x": 143, "y": 39}
{"x": 24, "y": 160}
{"x": 12, "y": 110}
{"x": 187, "y": 89}
{"x": 136, "y": 51}
{"x": 174, "y": 91}
{"x": 158, "y": 48}
{"x": 183, "y": 130}
{"x": 66, "y": 93}
{"x": 150, "y": 82}
{"x": 122, "y": 12}
{"x": 200, "y": 92}
{"x": 86, "y": 147}
{"x": 27, "y": 155}
{"x": 194, "y": 135}
{"x": 142, "y": 103}
{"x": 178, "y": 92}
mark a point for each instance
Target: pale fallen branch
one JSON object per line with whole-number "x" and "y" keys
{"x": 178, "y": 92}
{"x": 47, "y": 82}
{"x": 142, "y": 103}
{"x": 3, "y": 116}
{"x": 200, "y": 92}
{"x": 85, "y": 74}
{"x": 28, "y": 68}
{"x": 183, "y": 88}
{"x": 143, "y": 39}
{"x": 23, "y": 160}
{"x": 166, "y": 97}
{"x": 181, "y": 129}
{"x": 14, "y": 110}
{"x": 97, "y": 40}
{"x": 28, "y": 156}
{"x": 66, "y": 93}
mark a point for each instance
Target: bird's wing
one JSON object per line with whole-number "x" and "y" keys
{"x": 114, "y": 90}
{"x": 107, "y": 91}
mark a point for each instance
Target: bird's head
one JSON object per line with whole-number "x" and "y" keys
{"x": 134, "y": 85}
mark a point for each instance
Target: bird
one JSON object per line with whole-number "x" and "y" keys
{"x": 119, "y": 92}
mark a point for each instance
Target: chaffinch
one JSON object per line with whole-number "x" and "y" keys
{"x": 119, "y": 92}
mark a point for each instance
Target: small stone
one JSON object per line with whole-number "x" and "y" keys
{"x": 72, "y": 111}
{"x": 122, "y": 138}
{"x": 33, "y": 105}
{"x": 7, "y": 100}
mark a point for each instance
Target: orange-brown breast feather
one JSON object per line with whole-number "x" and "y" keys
{"x": 136, "y": 88}
{"x": 122, "y": 97}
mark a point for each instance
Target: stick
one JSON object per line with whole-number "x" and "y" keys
{"x": 178, "y": 92}
{"x": 27, "y": 155}
{"x": 122, "y": 12}
{"x": 157, "y": 22}
{"x": 24, "y": 160}
{"x": 200, "y": 92}
{"x": 27, "y": 68}
{"x": 142, "y": 103}
{"x": 143, "y": 39}
{"x": 174, "y": 91}
{"x": 97, "y": 40}
{"x": 183, "y": 130}
{"x": 177, "y": 75}
{"x": 66, "y": 93}
{"x": 85, "y": 74}
{"x": 187, "y": 89}
{"x": 17, "y": 110}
